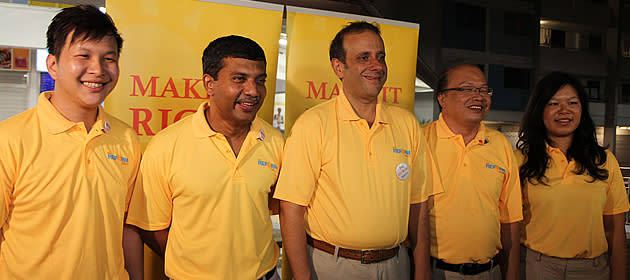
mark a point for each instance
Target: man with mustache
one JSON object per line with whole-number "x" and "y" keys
{"x": 204, "y": 189}
{"x": 477, "y": 215}
{"x": 356, "y": 175}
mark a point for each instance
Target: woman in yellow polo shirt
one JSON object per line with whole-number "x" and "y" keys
{"x": 573, "y": 193}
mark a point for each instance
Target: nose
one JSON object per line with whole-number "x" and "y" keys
{"x": 377, "y": 64}
{"x": 96, "y": 66}
{"x": 250, "y": 88}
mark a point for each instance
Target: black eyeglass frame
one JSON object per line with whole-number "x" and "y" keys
{"x": 489, "y": 92}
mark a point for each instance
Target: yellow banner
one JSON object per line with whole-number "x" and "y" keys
{"x": 160, "y": 66}
{"x": 310, "y": 78}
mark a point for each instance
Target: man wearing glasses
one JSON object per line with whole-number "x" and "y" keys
{"x": 481, "y": 184}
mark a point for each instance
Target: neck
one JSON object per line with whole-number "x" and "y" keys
{"x": 468, "y": 131}
{"x": 234, "y": 133}
{"x": 365, "y": 108}
{"x": 75, "y": 114}
{"x": 563, "y": 143}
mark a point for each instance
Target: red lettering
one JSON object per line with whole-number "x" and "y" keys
{"x": 143, "y": 89}
{"x": 170, "y": 87}
{"x": 191, "y": 89}
{"x": 181, "y": 114}
{"x": 164, "y": 117}
{"x": 335, "y": 91}
{"x": 145, "y": 122}
{"x": 396, "y": 94}
{"x": 321, "y": 90}
{"x": 390, "y": 89}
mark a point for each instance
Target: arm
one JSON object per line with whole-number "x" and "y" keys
{"x": 273, "y": 204}
{"x": 422, "y": 259}
{"x": 156, "y": 240}
{"x": 294, "y": 238}
{"x": 509, "y": 258}
{"x": 134, "y": 252}
{"x": 616, "y": 238}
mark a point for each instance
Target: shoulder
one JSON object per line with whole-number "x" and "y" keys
{"x": 169, "y": 136}
{"x": 498, "y": 138}
{"x": 272, "y": 134}
{"x": 17, "y": 127}
{"x": 316, "y": 115}
{"x": 121, "y": 128}
{"x": 399, "y": 114}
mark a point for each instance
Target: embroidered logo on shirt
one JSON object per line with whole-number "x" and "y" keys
{"x": 271, "y": 165}
{"x": 402, "y": 151}
{"x": 123, "y": 160}
{"x": 494, "y": 166}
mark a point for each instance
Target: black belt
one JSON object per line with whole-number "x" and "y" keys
{"x": 268, "y": 275}
{"x": 466, "y": 268}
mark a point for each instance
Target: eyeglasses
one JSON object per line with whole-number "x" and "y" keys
{"x": 471, "y": 90}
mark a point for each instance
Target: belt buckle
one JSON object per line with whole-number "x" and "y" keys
{"x": 363, "y": 257}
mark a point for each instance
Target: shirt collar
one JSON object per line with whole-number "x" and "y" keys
{"x": 443, "y": 131}
{"x": 346, "y": 112}
{"x": 57, "y": 123}
{"x": 202, "y": 129}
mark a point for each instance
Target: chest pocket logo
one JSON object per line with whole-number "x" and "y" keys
{"x": 404, "y": 152}
{"x": 270, "y": 165}
{"x": 123, "y": 160}
{"x": 495, "y": 167}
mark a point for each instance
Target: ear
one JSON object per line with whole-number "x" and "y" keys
{"x": 51, "y": 64}
{"x": 338, "y": 67}
{"x": 209, "y": 84}
{"x": 441, "y": 99}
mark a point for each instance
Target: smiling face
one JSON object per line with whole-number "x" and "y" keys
{"x": 462, "y": 108}
{"x": 238, "y": 92}
{"x": 365, "y": 71}
{"x": 562, "y": 113}
{"x": 85, "y": 72}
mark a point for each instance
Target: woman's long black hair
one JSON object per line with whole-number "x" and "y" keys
{"x": 532, "y": 138}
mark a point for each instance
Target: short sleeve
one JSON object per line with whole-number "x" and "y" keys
{"x": 7, "y": 178}
{"x": 151, "y": 202}
{"x": 301, "y": 162}
{"x": 616, "y": 196}
{"x": 426, "y": 180}
{"x": 131, "y": 181}
{"x": 510, "y": 201}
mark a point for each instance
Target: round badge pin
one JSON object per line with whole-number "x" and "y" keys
{"x": 402, "y": 171}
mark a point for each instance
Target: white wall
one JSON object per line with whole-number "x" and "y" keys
{"x": 24, "y": 25}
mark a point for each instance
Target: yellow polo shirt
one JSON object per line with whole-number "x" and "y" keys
{"x": 214, "y": 202}
{"x": 64, "y": 193}
{"x": 357, "y": 182}
{"x": 481, "y": 191}
{"x": 565, "y": 218}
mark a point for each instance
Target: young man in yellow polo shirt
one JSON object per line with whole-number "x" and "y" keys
{"x": 203, "y": 192}
{"x": 67, "y": 168}
{"x": 360, "y": 171}
{"x": 477, "y": 216}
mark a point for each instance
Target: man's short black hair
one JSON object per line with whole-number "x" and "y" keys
{"x": 229, "y": 46}
{"x": 87, "y": 23}
{"x": 336, "y": 46}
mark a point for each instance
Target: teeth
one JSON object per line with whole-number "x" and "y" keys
{"x": 475, "y": 107}
{"x": 92, "y": 85}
